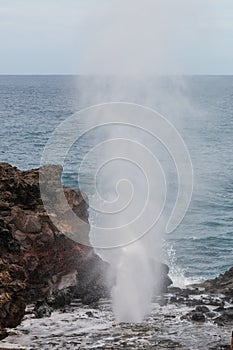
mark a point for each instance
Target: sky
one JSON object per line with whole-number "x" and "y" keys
{"x": 116, "y": 37}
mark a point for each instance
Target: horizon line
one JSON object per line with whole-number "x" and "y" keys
{"x": 117, "y": 76}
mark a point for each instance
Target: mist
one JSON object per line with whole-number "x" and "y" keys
{"x": 130, "y": 56}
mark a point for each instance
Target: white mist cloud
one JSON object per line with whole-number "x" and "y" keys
{"x": 132, "y": 38}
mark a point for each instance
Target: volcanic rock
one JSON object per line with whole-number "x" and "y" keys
{"x": 223, "y": 284}
{"x": 195, "y": 316}
{"x": 202, "y": 308}
{"x": 40, "y": 261}
{"x": 226, "y": 316}
{"x": 35, "y": 255}
{"x": 60, "y": 298}
{"x": 42, "y": 309}
{"x": 165, "y": 280}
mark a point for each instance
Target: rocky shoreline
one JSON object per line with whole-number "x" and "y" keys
{"x": 40, "y": 265}
{"x": 37, "y": 260}
{"x": 210, "y": 300}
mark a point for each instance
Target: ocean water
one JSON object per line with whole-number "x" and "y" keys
{"x": 31, "y": 107}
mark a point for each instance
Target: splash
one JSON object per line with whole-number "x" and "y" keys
{"x": 130, "y": 194}
{"x": 178, "y": 274}
{"x": 133, "y": 291}
{"x": 133, "y": 39}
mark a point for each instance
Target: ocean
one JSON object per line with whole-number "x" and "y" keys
{"x": 200, "y": 107}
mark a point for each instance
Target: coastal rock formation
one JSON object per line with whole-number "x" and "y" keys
{"x": 165, "y": 280}
{"x": 222, "y": 284}
{"x": 36, "y": 258}
{"x": 39, "y": 261}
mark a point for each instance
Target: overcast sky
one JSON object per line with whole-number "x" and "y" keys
{"x": 116, "y": 36}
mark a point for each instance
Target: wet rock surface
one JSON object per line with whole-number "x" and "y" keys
{"x": 37, "y": 259}
{"x": 94, "y": 327}
{"x": 223, "y": 284}
{"x": 42, "y": 309}
{"x": 184, "y": 319}
{"x": 211, "y": 301}
{"x": 165, "y": 280}
{"x": 39, "y": 264}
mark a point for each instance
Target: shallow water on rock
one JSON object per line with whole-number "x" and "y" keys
{"x": 85, "y": 327}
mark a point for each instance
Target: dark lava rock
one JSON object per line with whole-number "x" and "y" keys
{"x": 42, "y": 309}
{"x": 220, "y": 347}
{"x": 174, "y": 290}
{"x": 202, "y": 308}
{"x": 89, "y": 313}
{"x": 60, "y": 298}
{"x": 194, "y": 315}
{"x": 219, "y": 309}
{"x": 12, "y": 303}
{"x": 12, "y": 310}
{"x": 197, "y": 316}
{"x": 220, "y": 302}
{"x": 165, "y": 280}
{"x": 223, "y": 284}
{"x": 228, "y": 313}
{"x": 211, "y": 314}
{"x": 3, "y": 334}
{"x": 226, "y": 317}
{"x": 182, "y": 296}
{"x": 91, "y": 283}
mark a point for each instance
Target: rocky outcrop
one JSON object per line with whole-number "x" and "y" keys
{"x": 212, "y": 299}
{"x": 36, "y": 258}
{"x": 222, "y": 284}
{"x": 165, "y": 280}
{"x": 39, "y": 260}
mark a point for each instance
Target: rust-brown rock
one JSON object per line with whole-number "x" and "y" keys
{"x": 35, "y": 256}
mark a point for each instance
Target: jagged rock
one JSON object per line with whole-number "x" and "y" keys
{"x": 35, "y": 254}
{"x": 12, "y": 286}
{"x": 89, "y": 314}
{"x": 24, "y": 222}
{"x": 222, "y": 284}
{"x": 226, "y": 316}
{"x": 211, "y": 314}
{"x": 202, "y": 308}
{"x": 20, "y": 236}
{"x": 195, "y": 316}
{"x": 93, "y": 287}
{"x": 3, "y": 333}
{"x": 42, "y": 309}
{"x": 60, "y": 298}
{"x": 165, "y": 280}
{"x": 12, "y": 309}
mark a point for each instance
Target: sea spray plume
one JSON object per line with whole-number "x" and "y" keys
{"x": 156, "y": 127}
{"x": 124, "y": 217}
{"x": 133, "y": 291}
{"x": 137, "y": 39}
